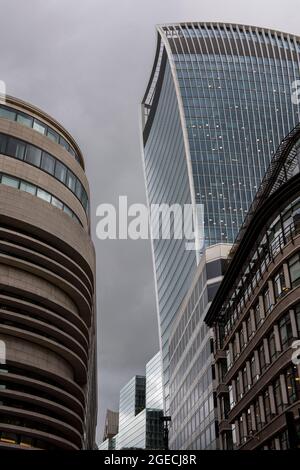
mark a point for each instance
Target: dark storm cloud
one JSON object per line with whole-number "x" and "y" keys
{"x": 87, "y": 63}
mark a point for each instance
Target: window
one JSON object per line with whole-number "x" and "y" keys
{"x": 39, "y": 127}
{"x": 291, "y": 384}
{"x": 33, "y": 155}
{"x": 242, "y": 339}
{"x": 31, "y": 189}
{"x": 78, "y": 189}
{"x": 48, "y": 163}
{"x": 52, "y": 135}
{"x": 16, "y": 148}
{"x": 286, "y": 332}
{"x": 262, "y": 360}
{"x": 10, "y": 181}
{"x": 68, "y": 211}
{"x": 7, "y": 113}
{"x": 84, "y": 200}
{"x": 63, "y": 142}
{"x": 297, "y": 313}
{"x": 272, "y": 346}
{"x": 267, "y": 301}
{"x": 277, "y": 396}
{"x": 60, "y": 172}
{"x": 55, "y": 202}
{"x": 279, "y": 284}
{"x": 294, "y": 268}
{"x": 24, "y": 119}
{"x": 249, "y": 421}
{"x": 71, "y": 180}
{"x": 257, "y": 416}
{"x": 249, "y": 327}
{"x": 267, "y": 406}
{"x": 257, "y": 314}
{"x": 43, "y": 195}
{"x": 3, "y": 141}
{"x": 28, "y": 188}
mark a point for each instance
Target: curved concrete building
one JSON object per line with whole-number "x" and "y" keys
{"x": 47, "y": 286}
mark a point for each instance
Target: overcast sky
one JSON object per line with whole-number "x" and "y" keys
{"x": 87, "y": 63}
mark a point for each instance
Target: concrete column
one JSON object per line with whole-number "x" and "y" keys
{"x": 272, "y": 399}
{"x": 294, "y": 324}
{"x": 262, "y": 409}
{"x": 237, "y": 340}
{"x": 283, "y": 390}
{"x": 237, "y": 431}
{"x": 277, "y": 339}
{"x": 230, "y": 353}
{"x": 286, "y": 275}
{"x": 220, "y": 408}
{"x": 271, "y": 290}
{"x": 242, "y": 385}
{"x": 245, "y": 332}
{"x": 277, "y": 443}
{"x": 248, "y": 369}
{"x": 261, "y": 306}
{"x": 252, "y": 316}
{"x": 256, "y": 357}
{"x": 234, "y": 393}
{"x": 266, "y": 350}
{"x": 217, "y": 365}
{"x": 253, "y": 421}
{"x": 245, "y": 424}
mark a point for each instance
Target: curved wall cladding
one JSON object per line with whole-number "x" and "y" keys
{"x": 47, "y": 299}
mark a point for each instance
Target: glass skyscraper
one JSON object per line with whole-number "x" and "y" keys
{"x": 217, "y": 106}
{"x": 140, "y": 411}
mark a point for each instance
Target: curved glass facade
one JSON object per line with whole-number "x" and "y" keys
{"x": 218, "y": 103}
{"x": 16, "y": 148}
{"x": 12, "y": 114}
{"x": 34, "y": 190}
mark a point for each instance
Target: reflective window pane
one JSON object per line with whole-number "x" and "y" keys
{"x": 55, "y": 202}
{"x": 78, "y": 189}
{"x": 43, "y": 195}
{"x": 71, "y": 181}
{"x": 63, "y": 143}
{"x": 10, "y": 181}
{"x": 60, "y": 172}
{"x": 48, "y": 163}
{"x": 39, "y": 127}
{"x": 52, "y": 135}
{"x": 3, "y": 141}
{"x": 33, "y": 155}
{"x": 24, "y": 119}
{"x": 7, "y": 113}
{"x": 68, "y": 211}
{"x": 16, "y": 148}
{"x": 29, "y": 188}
